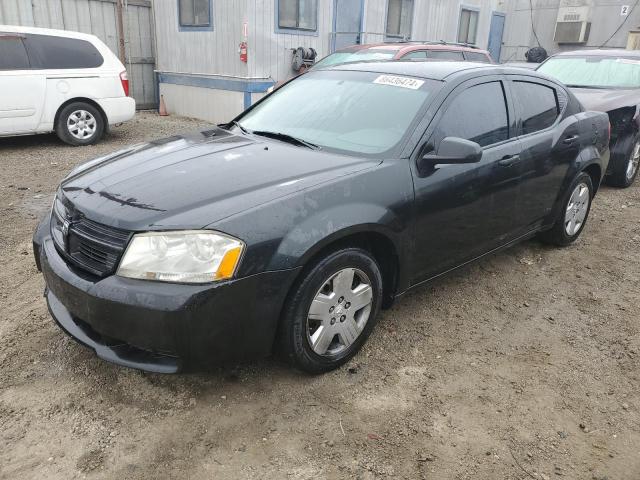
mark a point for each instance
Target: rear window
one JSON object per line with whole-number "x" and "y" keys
{"x": 445, "y": 55}
{"x": 13, "y": 55}
{"x": 53, "y": 53}
{"x": 538, "y": 105}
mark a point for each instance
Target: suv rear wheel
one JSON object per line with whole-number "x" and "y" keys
{"x": 332, "y": 311}
{"x": 80, "y": 123}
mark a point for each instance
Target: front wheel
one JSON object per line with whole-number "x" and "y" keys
{"x": 573, "y": 216}
{"x": 332, "y": 311}
{"x": 80, "y": 123}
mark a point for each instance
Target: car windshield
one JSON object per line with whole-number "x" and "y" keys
{"x": 368, "y": 55}
{"x": 594, "y": 72}
{"x": 354, "y": 112}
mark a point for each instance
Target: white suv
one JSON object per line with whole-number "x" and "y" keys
{"x": 67, "y": 82}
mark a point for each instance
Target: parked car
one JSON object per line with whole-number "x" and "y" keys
{"x": 399, "y": 51}
{"x": 405, "y": 51}
{"x": 291, "y": 226}
{"x": 58, "y": 81}
{"x": 607, "y": 81}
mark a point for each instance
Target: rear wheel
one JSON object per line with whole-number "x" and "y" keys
{"x": 332, "y": 311}
{"x": 80, "y": 123}
{"x": 625, "y": 169}
{"x": 574, "y": 213}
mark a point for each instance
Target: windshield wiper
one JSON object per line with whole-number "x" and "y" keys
{"x": 285, "y": 137}
{"x": 570, "y": 85}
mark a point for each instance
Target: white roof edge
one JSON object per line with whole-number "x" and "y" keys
{"x": 46, "y": 31}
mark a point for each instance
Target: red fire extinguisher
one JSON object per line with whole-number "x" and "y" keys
{"x": 243, "y": 52}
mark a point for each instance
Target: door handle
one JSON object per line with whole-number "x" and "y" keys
{"x": 508, "y": 160}
{"x": 570, "y": 140}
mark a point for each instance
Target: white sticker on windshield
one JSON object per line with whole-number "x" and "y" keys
{"x": 404, "y": 82}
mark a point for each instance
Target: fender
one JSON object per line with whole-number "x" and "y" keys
{"x": 328, "y": 226}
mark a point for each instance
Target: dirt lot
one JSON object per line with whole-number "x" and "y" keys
{"x": 525, "y": 365}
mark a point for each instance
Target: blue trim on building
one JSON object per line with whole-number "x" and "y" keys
{"x": 247, "y": 86}
{"x": 194, "y": 28}
{"x": 294, "y": 31}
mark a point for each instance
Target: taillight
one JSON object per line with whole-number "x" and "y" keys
{"x": 124, "y": 78}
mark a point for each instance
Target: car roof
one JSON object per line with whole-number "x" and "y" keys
{"x": 46, "y": 31}
{"x": 434, "y": 70}
{"x": 606, "y": 52}
{"x": 404, "y": 47}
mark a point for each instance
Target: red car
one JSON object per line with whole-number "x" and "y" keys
{"x": 406, "y": 51}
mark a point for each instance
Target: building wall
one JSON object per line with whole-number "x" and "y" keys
{"x": 209, "y": 60}
{"x": 605, "y": 19}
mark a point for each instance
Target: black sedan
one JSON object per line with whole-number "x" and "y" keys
{"x": 289, "y": 228}
{"x": 607, "y": 81}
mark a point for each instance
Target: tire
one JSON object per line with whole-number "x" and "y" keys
{"x": 564, "y": 232}
{"x": 88, "y": 120}
{"x": 625, "y": 165}
{"x": 318, "y": 316}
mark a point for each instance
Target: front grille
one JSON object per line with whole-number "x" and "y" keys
{"x": 91, "y": 246}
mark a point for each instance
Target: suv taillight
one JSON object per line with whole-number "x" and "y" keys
{"x": 124, "y": 78}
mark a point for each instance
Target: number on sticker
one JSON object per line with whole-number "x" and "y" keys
{"x": 395, "y": 81}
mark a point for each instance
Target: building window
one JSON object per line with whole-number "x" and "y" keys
{"x": 468, "y": 27}
{"x": 195, "y": 14}
{"x": 298, "y": 15}
{"x": 399, "y": 17}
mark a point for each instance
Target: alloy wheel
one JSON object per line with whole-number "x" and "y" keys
{"x": 577, "y": 209}
{"x": 634, "y": 161}
{"x": 339, "y": 312}
{"x": 81, "y": 124}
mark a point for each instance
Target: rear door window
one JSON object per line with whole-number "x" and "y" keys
{"x": 446, "y": 55}
{"x": 538, "y": 105}
{"x": 476, "y": 57}
{"x": 478, "y": 114}
{"x": 13, "y": 55}
{"x": 53, "y": 53}
{"x": 415, "y": 55}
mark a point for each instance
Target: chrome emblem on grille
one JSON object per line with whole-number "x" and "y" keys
{"x": 65, "y": 234}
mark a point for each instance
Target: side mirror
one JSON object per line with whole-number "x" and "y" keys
{"x": 452, "y": 150}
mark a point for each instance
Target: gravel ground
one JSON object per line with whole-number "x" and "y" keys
{"x": 524, "y": 365}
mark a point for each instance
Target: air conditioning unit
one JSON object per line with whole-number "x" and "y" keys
{"x": 572, "y": 25}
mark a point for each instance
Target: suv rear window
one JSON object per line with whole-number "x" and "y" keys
{"x": 538, "y": 105}
{"x": 52, "y": 53}
{"x": 13, "y": 55}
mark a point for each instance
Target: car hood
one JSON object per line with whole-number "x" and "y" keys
{"x": 193, "y": 180}
{"x": 602, "y": 100}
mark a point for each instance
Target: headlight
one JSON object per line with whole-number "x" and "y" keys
{"x": 197, "y": 256}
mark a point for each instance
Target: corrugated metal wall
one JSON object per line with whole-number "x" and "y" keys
{"x": 605, "y": 19}
{"x": 97, "y": 17}
{"x": 213, "y": 55}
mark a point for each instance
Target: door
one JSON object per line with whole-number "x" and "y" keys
{"x": 463, "y": 211}
{"x": 347, "y": 23}
{"x": 495, "y": 35}
{"x": 21, "y": 89}
{"x": 545, "y": 155}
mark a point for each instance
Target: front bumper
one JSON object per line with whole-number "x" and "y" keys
{"x": 162, "y": 327}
